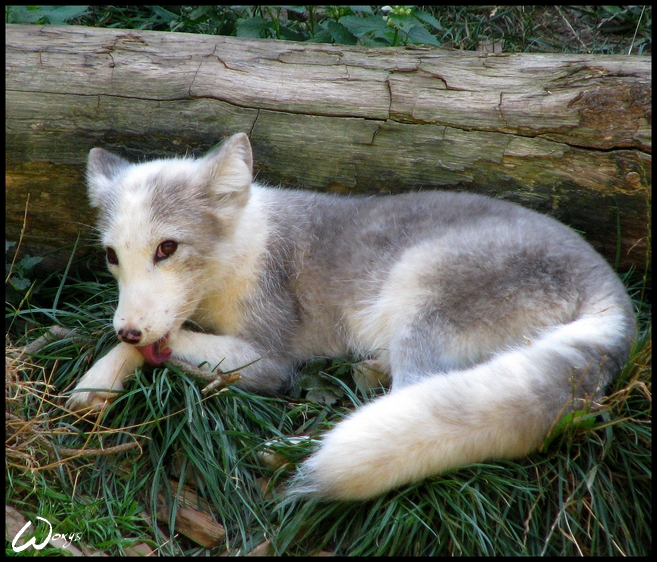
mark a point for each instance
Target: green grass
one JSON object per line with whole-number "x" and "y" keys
{"x": 587, "y": 493}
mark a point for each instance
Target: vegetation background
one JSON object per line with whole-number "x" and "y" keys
{"x": 545, "y": 29}
{"x": 587, "y": 493}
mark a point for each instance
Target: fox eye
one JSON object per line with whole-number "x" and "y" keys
{"x": 112, "y": 258}
{"x": 165, "y": 250}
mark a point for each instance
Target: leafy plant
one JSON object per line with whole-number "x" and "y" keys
{"x": 574, "y": 29}
{"x": 18, "y": 284}
{"x": 43, "y": 15}
{"x": 397, "y": 25}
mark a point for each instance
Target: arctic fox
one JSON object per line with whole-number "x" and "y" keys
{"x": 491, "y": 320}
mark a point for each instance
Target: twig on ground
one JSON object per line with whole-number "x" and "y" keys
{"x": 217, "y": 379}
{"x": 53, "y": 333}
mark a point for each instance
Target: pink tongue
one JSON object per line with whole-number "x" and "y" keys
{"x": 153, "y": 354}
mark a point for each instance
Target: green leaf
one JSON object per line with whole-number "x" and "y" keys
{"x": 404, "y": 23}
{"x": 290, "y": 34}
{"x": 19, "y": 283}
{"x": 322, "y": 36}
{"x": 428, "y": 18}
{"x": 579, "y": 419}
{"x": 252, "y": 27}
{"x": 340, "y": 34}
{"x": 28, "y": 262}
{"x": 420, "y": 36}
{"x": 360, "y": 26}
{"x": 54, "y": 15}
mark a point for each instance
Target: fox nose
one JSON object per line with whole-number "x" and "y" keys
{"x": 130, "y": 336}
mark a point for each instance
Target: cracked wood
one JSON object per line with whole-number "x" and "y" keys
{"x": 565, "y": 134}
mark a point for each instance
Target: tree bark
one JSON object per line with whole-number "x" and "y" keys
{"x": 569, "y": 135}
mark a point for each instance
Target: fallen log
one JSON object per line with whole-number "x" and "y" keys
{"x": 569, "y": 135}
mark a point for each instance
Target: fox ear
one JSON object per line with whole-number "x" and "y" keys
{"x": 229, "y": 168}
{"x": 102, "y": 168}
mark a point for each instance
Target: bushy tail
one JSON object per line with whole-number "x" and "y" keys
{"x": 499, "y": 409}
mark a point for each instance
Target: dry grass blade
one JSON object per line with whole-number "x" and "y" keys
{"x": 29, "y": 440}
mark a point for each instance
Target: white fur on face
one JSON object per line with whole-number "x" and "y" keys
{"x": 196, "y": 203}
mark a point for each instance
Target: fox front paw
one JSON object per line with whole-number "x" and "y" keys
{"x": 95, "y": 390}
{"x": 100, "y": 385}
{"x": 95, "y": 402}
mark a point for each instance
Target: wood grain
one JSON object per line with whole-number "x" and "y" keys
{"x": 569, "y": 135}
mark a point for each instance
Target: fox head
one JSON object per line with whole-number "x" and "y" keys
{"x": 160, "y": 223}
